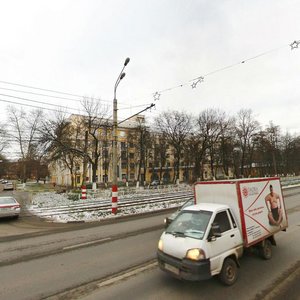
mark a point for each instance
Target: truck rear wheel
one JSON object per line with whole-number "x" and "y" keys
{"x": 229, "y": 272}
{"x": 266, "y": 249}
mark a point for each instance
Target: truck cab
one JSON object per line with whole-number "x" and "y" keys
{"x": 203, "y": 240}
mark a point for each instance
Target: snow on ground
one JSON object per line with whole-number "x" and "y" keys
{"x": 49, "y": 205}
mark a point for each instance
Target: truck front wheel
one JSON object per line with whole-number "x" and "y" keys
{"x": 229, "y": 272}
{"x": 266, "y": 249}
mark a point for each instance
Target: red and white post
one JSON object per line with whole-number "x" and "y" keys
{"x": 114, "y": 199}
{"x": 83, "y": 192}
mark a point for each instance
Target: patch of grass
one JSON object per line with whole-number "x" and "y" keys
{"x": 73, "y": 196}
{"x": 37, "y": 187}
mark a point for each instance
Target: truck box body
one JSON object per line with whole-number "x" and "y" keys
{"x": 252, "y": 203}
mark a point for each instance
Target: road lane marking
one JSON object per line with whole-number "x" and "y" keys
{"x": 86, "y": 244}
{"x": 126, "y": 275}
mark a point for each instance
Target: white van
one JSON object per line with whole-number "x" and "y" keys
{"x": 208, "y": 238}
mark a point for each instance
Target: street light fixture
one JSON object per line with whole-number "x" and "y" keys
{"x": 114, "y": 189}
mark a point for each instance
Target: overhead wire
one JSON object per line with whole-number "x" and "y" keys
{"x": 41, "y": 89}
{"x": 36, "y": 101}
{"x": 38, "y": 94}
{"x": 29, "y": 105}
{"x": 51, "y": 91}
{"x": 156, "y": 95}
{"x": 200, "y": 78}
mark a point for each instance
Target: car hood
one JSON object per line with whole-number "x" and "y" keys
{"x": 177, "y": 246}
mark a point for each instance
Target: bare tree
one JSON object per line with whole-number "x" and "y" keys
{"x": 24, "y": 128}
{"x": 176, "y": 126}
{"x": 83, "y": 136}
{"x": 4, "y": 141}
{"x": 226, "y": 143}
{"x": 160, "y": 155}
{"x": 63, "y": 142}
{"x": 105, "y": 135}
{"x": 273, "y": 137}
{"x": 292, "y": 152}
{"x": 246, "y": 128}
{"x": 143, "y": 144}
{"x": 198, "y": 144}
{"x": 288, "y": 146}
{"x": 212, "y": 125}
{"x": 190, "y": 146}
{"x": 94, "y": 123}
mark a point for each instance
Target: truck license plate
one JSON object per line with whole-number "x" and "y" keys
{"x": 172, "y": 269}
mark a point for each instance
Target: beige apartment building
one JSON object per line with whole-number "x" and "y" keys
{"x": 136, "y": 162}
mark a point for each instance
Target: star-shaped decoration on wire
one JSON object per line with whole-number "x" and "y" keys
{"x": 156, "y": 96}
{"x": 294, "y": 44}
{"x": 199, "y": 79}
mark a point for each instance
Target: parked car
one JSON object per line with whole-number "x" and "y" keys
{"x": 154, "y": 183}
{"x": 187, "y": 203}
{"x": 9, "y": 207}
{"x": 7, "y": 185}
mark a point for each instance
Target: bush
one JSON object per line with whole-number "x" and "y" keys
{"x": 89, "y": 186}
{"x": 73, "y": 196}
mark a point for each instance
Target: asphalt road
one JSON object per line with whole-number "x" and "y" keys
{"x": 258, "y": 279}
{"x": 117, "y": 261}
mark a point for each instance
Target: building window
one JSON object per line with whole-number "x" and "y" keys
{"x": 131, "y": 166}
{"x": 105, "y": 153}
{"x": 123, "y": 155}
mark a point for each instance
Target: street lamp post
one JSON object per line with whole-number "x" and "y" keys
{"x": 114, "y": 189}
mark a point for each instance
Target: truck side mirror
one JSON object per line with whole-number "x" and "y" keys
{"x": 167, "y": 222}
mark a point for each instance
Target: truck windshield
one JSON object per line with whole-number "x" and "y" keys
{"x": 190, "y": 224}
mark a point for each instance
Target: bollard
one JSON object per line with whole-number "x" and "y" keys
{"x": 83, "y": 192}
{"x": 114, "y": 199}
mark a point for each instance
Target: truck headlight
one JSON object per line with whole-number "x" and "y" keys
{"x": 160, "y": 245}
{"x": 195, "y": 254}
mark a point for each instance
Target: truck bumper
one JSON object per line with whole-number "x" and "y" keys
{"x": 184, "y": 268}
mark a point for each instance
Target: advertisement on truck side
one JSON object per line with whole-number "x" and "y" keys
{"x": 263, "y": 209}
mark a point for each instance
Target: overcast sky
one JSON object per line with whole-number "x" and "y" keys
{"x": 79, "y": 47}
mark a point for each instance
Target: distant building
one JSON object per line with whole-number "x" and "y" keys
{"x": 142, "y": 156}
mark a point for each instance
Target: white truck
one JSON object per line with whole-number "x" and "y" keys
{"x": 208, "y": 238}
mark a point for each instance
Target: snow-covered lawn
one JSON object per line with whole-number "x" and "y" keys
{"x": 49, "y": 205}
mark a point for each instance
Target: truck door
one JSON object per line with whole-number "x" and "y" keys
{"x": 230, "y": 238}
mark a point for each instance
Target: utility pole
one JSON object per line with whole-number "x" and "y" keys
{"x": 114, "y": 189}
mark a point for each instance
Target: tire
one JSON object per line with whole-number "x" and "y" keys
{"x": 266, "y": 249}
{"x": 229, "y": 272}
